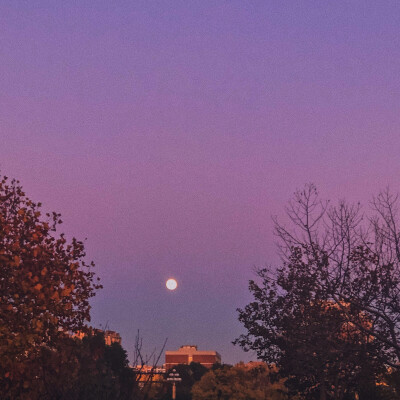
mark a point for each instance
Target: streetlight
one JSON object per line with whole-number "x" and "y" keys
{"x": 174, "y": 377}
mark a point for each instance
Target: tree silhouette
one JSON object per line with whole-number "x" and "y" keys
{"x": 329, "y": 316}
{"x": 45, "y": 287}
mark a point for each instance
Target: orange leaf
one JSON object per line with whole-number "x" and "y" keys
{"x": 65, "y": 292}
{"x": 55, "y": 296}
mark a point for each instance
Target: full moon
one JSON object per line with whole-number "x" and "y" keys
{"x": 171, "y": 284}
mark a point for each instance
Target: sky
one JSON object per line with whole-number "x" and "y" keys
{"x": 167, "y": 133}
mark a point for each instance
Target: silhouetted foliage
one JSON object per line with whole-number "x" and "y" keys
{"x": 189, "y": 374}
{"x": 45, "y": 287}
{"x": 87, "y": 369}
{"x": 253, "y": 381}
{"x": 104, "y": 372}
{"x": 329, "y": 316}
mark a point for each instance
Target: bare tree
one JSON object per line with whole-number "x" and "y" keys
{"x": 146, "y": 367}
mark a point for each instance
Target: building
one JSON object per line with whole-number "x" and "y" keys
{"x": 189, "y": 353}
{"x": 109, "y": 336}
{"x": 112, "y": 337}
{"x": 148, "y": 369}
{"x": 147, "y": 375}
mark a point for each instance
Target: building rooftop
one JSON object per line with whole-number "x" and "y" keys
{"x": 189, "y": 353}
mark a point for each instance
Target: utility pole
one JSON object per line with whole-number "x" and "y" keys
{"x": 173, "y": 377}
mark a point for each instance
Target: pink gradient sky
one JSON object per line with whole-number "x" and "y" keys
{"x": 168, "y": 132}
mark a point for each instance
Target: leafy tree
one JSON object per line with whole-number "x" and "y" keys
{"x": 363, "y": 253}
{"x": 329, "y": 316}
{"x": 86, "y": 369}
{"x": 253, "y": 381}
{"x": 308, "y": 335}
{"x": 103, "y": 372}
{"x": 45, "y": 287}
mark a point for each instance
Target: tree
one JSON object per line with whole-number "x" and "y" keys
{"x": 86, "y": 369}
{"x": 329, "y": 316}
{"x": 45, "y": 287}
{"x": 149, "y": 382}
{"x": 307, "y": 335}
{"x": 253, "y": 381}
{"x": 103, "y": 371}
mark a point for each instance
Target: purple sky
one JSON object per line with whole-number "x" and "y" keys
{"x": 168, "y": 132}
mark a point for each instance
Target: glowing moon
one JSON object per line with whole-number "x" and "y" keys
{"x": 171, "y": 284}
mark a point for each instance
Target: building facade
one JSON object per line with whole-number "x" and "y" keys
{"x": 188, "y": 354}
{"x": 110, "y": 337}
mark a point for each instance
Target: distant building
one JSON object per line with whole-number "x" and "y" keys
{"x": 187, "y": 354}
{"x": 148, "y": 375}
{"x": 148, "y": 369}
{"x": 109, "y": 336}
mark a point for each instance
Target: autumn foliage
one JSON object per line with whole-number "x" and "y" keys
{"x": 45, "y": 287}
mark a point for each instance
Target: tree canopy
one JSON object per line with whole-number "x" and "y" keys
{"x": 45, "y": 287}
{"x": 253, "y": 381}
{"x": 328, "y": 316}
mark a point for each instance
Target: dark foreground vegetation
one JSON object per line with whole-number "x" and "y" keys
{"x": 329, "y": 316}
{"x": 325, "y": 323}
